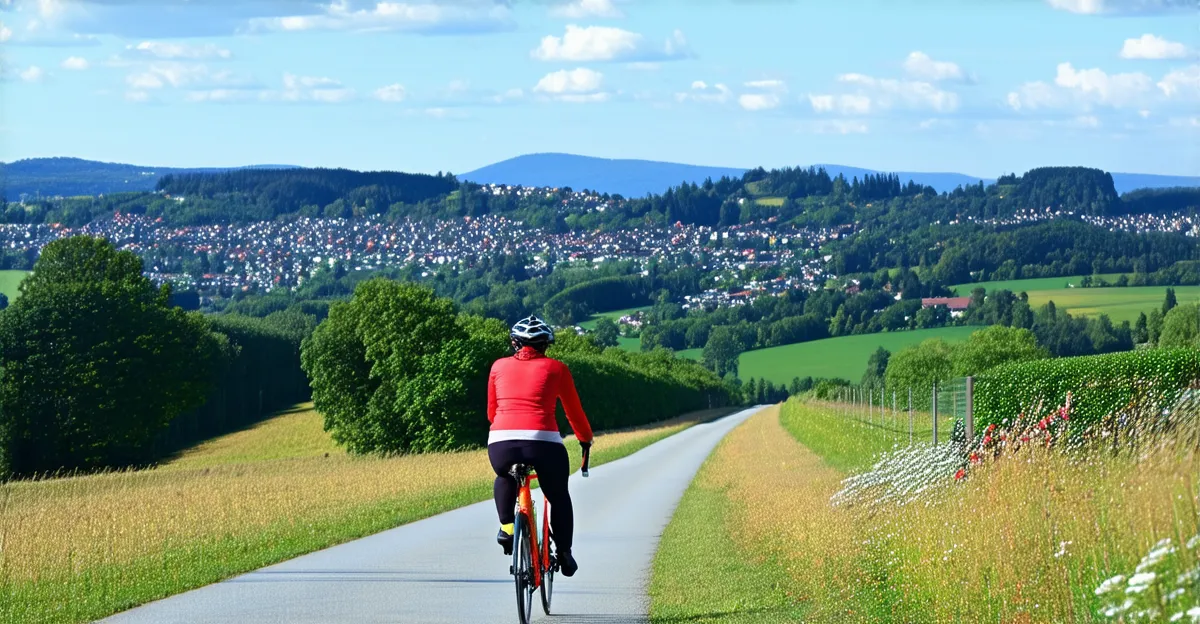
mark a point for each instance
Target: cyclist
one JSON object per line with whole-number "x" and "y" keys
{"x": 522, "y": 392}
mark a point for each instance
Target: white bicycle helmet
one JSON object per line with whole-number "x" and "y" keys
{"x": 532, "y": 331}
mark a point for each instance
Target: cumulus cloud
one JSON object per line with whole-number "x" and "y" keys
{"x": 922, "y": 67}
{"x": 1150, "y": 46}
{"x": 703, "y": 92}
{"x": 422, "y": 17}
{"x": 581, "y": 9}
{"x": 5, "y": 33}
{"x": 391, "y": 93}
{"x": 1121, "y": 7}
{"x": 75, "y": 63}
{"x": 841, "y": 104}
{"x": 575, "y": 85}
{"x": 606, "y": 43}
{"x": 1182, "y": 83}
{"x": 770, "y": 95}
{"x": 890, "y": 93}
{"x": 32, "y": 74}
{"x": 1082, "y": 87}
{"x": 179, "y": 51}
{"x": 181, "y": 75}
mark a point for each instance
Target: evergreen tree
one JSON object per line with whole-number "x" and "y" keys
{"x": 1169, "y": 302}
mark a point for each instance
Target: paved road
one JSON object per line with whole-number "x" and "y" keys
{"x": 448, "y": 568}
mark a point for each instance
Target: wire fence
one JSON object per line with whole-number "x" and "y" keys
{"x": 944, "y": 412}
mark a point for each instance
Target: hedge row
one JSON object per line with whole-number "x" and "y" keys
{"x": 621, "y": 390}
{"x": 259, "y": 374}
{"x": 1099, "y": 384}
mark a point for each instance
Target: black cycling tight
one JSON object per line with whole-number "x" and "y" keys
{"x": 553, "y": 467}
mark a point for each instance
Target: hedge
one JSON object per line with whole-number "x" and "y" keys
{"x": 1099, "y": 384}
{"x": 625, "y": 390}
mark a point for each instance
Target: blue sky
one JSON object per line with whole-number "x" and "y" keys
{"x": 981, "y": 87}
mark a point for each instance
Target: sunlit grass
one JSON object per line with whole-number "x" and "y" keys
{"x": 1028, "y": 538}
{"x": 76, "y": 549}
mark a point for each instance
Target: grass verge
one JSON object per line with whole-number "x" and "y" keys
{"x": 1024, "y": 539}
{"x": 81, "y": 548}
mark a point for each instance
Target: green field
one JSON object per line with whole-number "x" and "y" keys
{"x": 1018, "y": 286}
{"x": 769, "y": 201}
{"x": 629, "y": 344}
{"x": 844, "y": 357}
{"x": 1120, "y": 304}
{"x": 10, "y": 281}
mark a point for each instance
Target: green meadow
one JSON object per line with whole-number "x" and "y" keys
{"x": 1120, "y": 304}
{"x": 10, "y": 281}
{"x": 845, "y": 357}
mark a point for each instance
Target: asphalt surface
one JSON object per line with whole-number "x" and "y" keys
{"x": 449, "y": 569}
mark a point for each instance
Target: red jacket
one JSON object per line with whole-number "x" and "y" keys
{"x": 522, "y": 393}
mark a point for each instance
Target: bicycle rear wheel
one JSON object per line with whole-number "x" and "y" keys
{"x": 522, "y": 568}
{"x": 548, "y": 570}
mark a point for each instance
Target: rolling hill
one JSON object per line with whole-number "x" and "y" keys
{"x": 632, "y": 178}
{"x": 49, "y": 177}
{"x": 636, "y": 178}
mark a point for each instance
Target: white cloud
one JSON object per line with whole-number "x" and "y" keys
{"x": 1181, "y": 82}
{"x": 179, "y": 75}
{"x": 310, "y": 89}
{"x": 843, "y": 104}
{"x": 758, "y": 101}
{"x": 1113, "y": 89}
{"x": 1086, "y": 121}
{"x": 1150, "y": 46}
{"x": 222, "y": 95}
{"x": 169, "y": 51}
{"x": 575, "y": 81}
{"x": 1121, "y": 7}
{"x": 75, "y": 63}
{"x": 769, "y": 85}
{"x": 703, "y": 92}
{"x": 841, "y": 126}
{"x": 5, "y": 33}
{"x": 1144, "y": 114}
{"x": 922, "y": 67}
{"x": 391, "y": 93}
{"x": 507, "y": 96}
{"x": 581, "y": 9}
{"x": 1083, "y": 7}
{"x": 1184, "y": 122}
{"x": 137, "y": 96}
{"x": 1082, "y": 88}
{"x": 606, "y": 43}
{"x": 32, "y": 74}
{"x": 912, "y": 94}
{"x": 424, "y": 17}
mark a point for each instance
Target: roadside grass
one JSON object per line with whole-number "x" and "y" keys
{"x": 754, "y": 539}
{"x": 81, "y": 548}
{"x": 1022, "y": 539}
{"x": 851, "y": 443}
{"x": 10, "y": 282}
{"x": 1028, "y": 538}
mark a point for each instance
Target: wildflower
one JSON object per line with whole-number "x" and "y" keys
{"x": 974, "y": 458}
{"x": 991, "y": 428}
{"x": 987, "y": 439}
{"x": 960, "y": 475}
{"x": 1110, "y": 584}
{"x": 1139, "y": 582}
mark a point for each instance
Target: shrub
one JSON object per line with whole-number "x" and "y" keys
{"x": 1100, "y": 385}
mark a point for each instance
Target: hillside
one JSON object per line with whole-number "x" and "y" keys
{"x": 69, "y": 177}
{"x": 637, "y": 178}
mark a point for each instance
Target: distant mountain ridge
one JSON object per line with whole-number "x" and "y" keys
{"x": 68, "y": 177}
{"x": 49, "y": 177}
{"x": 637, "y": 178}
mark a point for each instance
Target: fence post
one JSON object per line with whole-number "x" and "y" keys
{"x": 970, "y": 409}
{"x": 935, "y": 414}
{"x": 910, "y": 418}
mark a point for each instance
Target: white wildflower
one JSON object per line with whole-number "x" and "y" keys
{"x": 1110, "y": 584}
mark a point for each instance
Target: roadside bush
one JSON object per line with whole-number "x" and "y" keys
{"x": 1099, "y": 384}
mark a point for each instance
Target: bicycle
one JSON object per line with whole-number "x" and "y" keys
{"x": 529, "y": 572}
